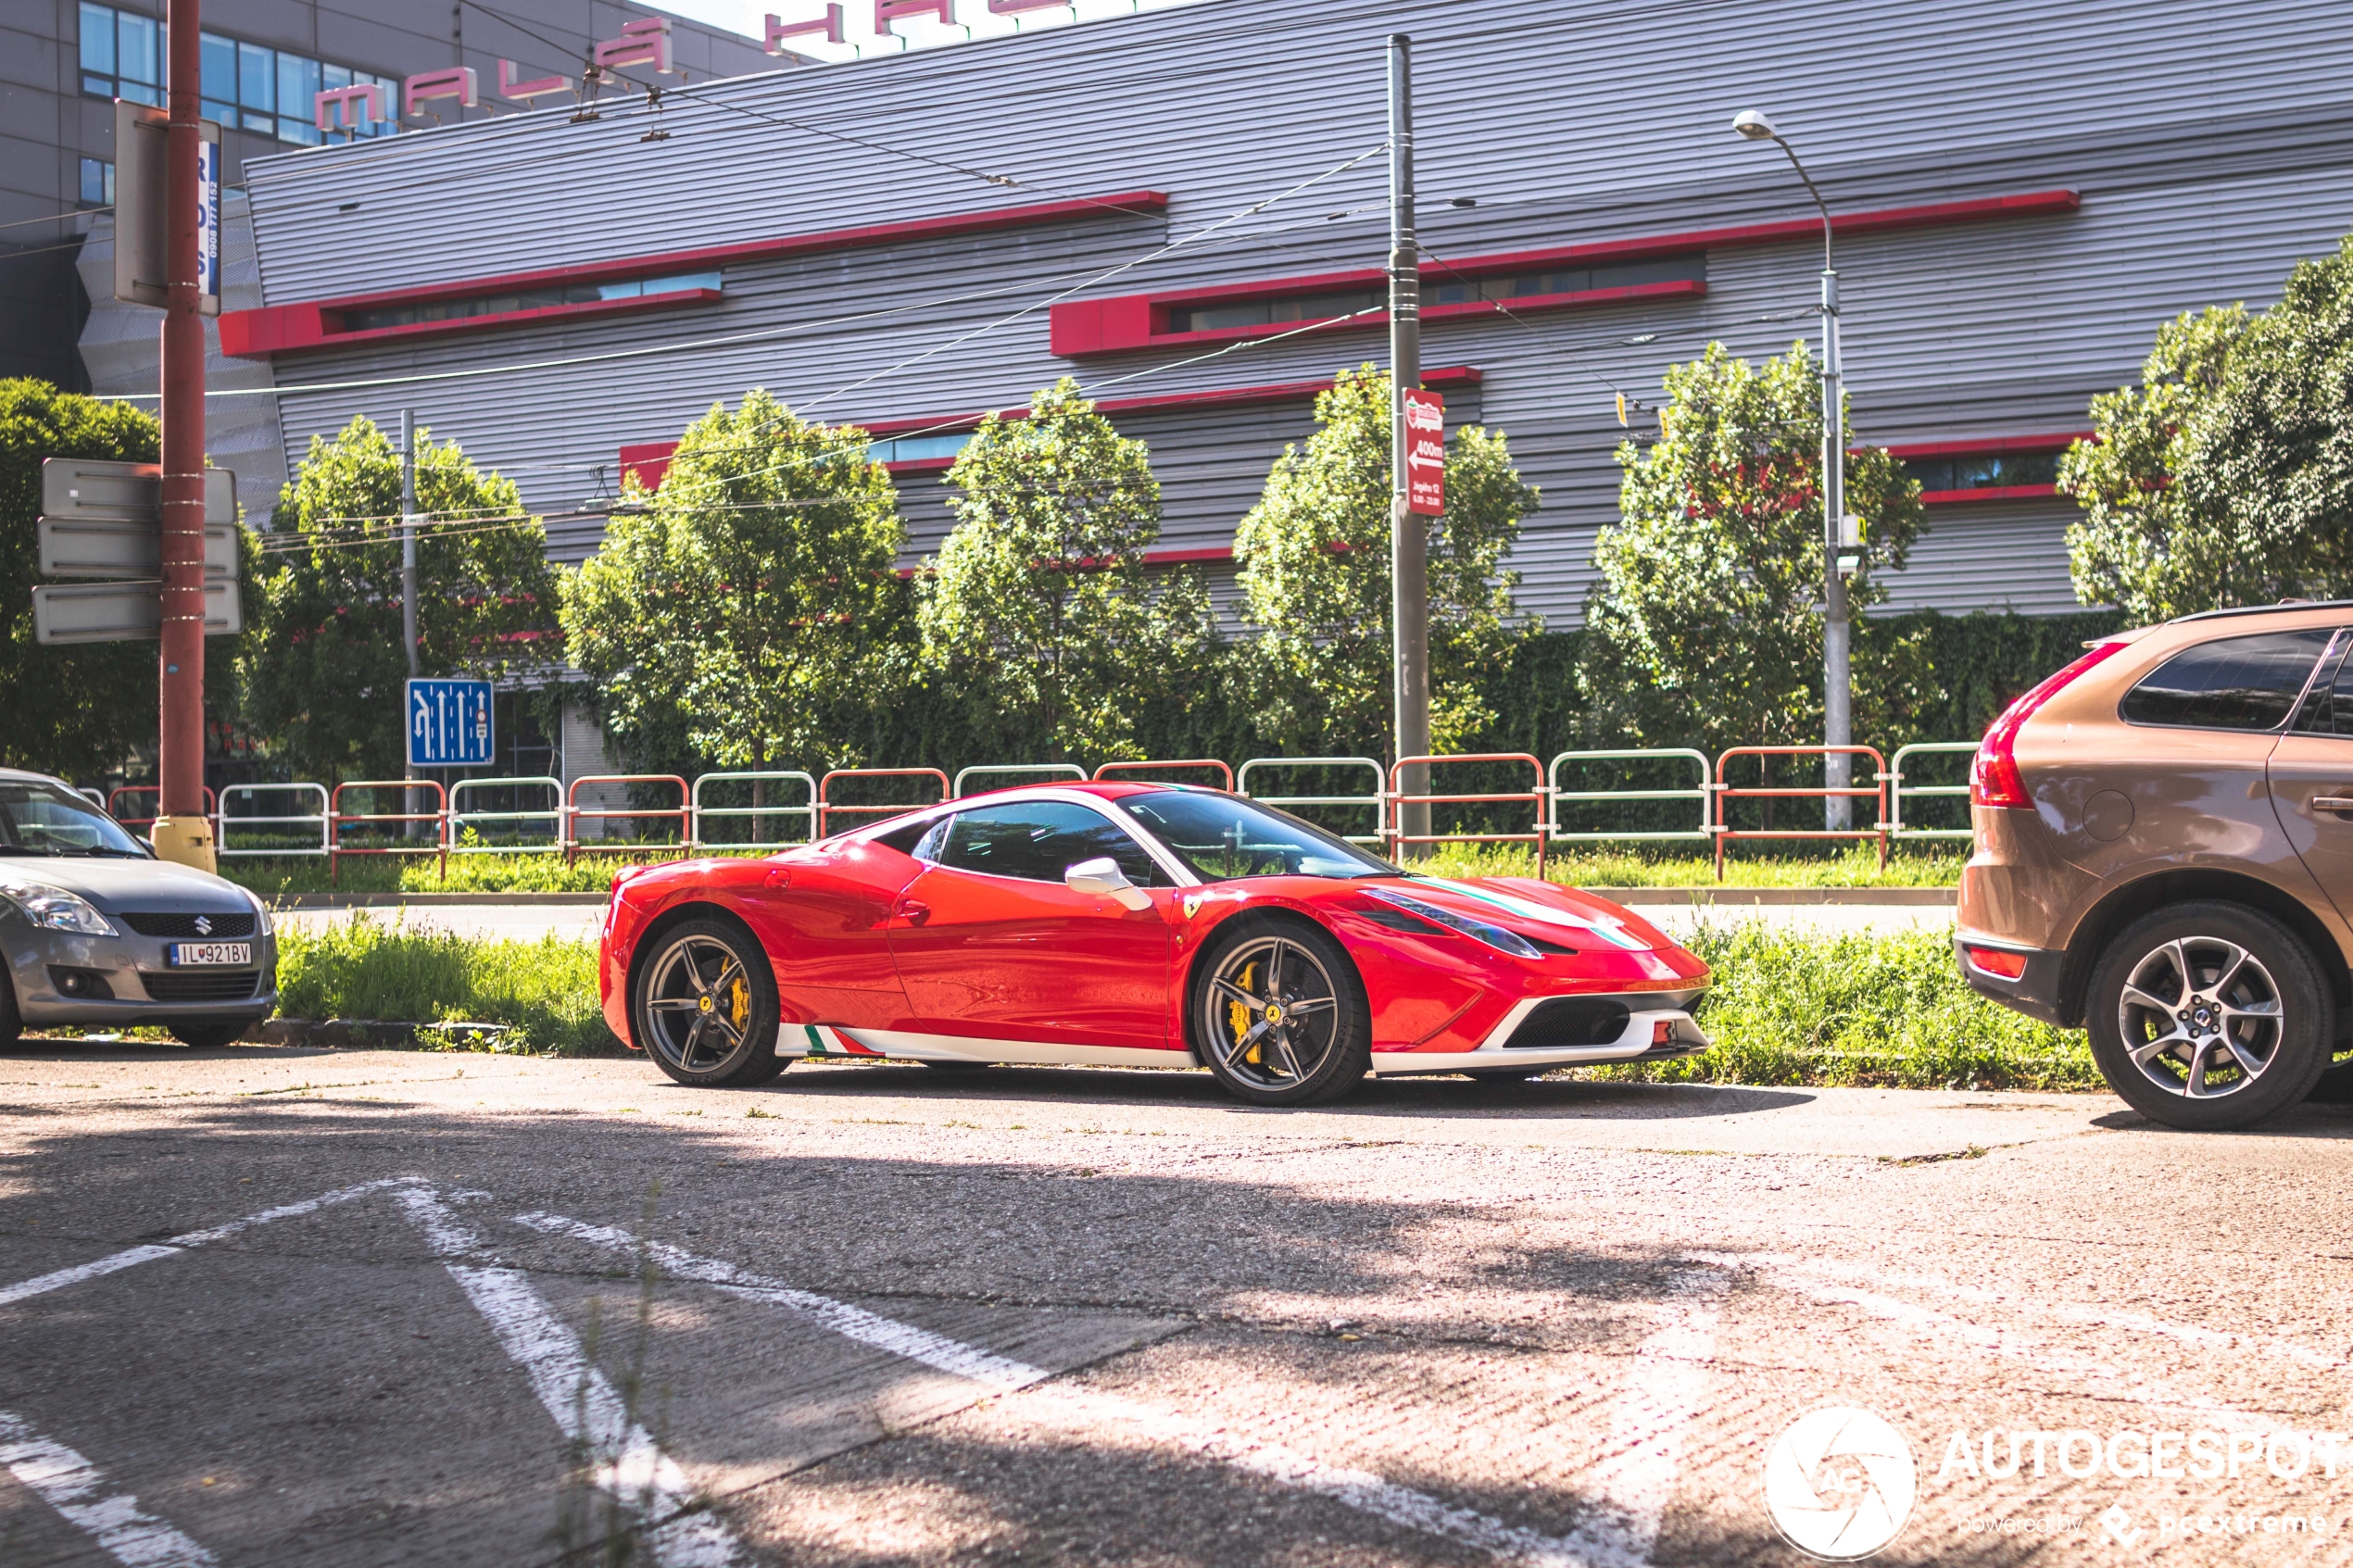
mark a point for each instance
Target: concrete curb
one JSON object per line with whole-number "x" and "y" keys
{"x": 1906, "y": 898}
{"x": 432, "y": 900}
{"x": 1901, "y": 898}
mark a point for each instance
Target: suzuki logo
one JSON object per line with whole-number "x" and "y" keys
{"x": 204, "y": 925}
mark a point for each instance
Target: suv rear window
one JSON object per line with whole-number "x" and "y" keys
{"x": 2232, "y": 683}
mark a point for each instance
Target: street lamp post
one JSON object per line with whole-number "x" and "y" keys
{"x": 1841, "y": 536}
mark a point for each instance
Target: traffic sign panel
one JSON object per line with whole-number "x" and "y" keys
{"x": 449, "y": 723}
{"x": 114, "y": 613}
{"x": 97, "y": 489}
{"x": 131, "y": 551}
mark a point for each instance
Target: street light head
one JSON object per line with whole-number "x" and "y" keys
{"x": 1753, "y": 124}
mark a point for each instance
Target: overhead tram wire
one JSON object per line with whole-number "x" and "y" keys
{"x": 731, "y": 339}
{"x": 1109, "y": 273}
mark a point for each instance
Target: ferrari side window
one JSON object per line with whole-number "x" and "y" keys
{"x": 1038, "y": 840}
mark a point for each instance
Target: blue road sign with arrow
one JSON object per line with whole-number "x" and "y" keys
{"x": 449, "y": 723}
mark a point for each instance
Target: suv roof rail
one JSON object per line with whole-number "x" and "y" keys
{"x": 2263, "y": 610}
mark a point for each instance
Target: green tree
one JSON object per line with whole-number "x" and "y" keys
{"x": 322, "y": 672}
{"x": 1704, "y": 625}
{"x": 753, "y": 603}
{"x": 1040, "y": 608}
{"x": 2225, "y": 477}
{"x": 1315, "y": 578}
{"x": 77, "y": 709}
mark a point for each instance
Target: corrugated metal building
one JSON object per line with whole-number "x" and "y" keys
{"x": 2024, "y": 191}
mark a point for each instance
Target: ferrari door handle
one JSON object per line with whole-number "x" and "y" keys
{"x": 914, "y": 911}
{"x": 2332, "y": 803}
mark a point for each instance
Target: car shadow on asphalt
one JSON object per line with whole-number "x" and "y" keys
{"x": 344, "y": 1325}
{"x": 1436, "y": 1096}
{"x": 2313, "y": 1118}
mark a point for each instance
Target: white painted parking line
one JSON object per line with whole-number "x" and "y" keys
{"x": 77, "y": 1489}
{"x": 115, "y": 1262}
{"x": 1665, "y": 1398}
{"x": 2103, "y": 1379}
{"x": 585, "y": 1405}
{"x": 1664, "y": 1393}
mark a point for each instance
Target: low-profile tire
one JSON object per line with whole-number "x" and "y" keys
{"x": 703, "y": 1005}
{"x": 941, "y": 1066}
{"x": 11, "y": 1022}
{"x": 1277, "y": 1013}
{"x": 2207, "y": 1016}
{"x": 212, "y": 1034}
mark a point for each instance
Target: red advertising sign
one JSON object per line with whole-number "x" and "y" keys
{"x": 1425, "y": 452}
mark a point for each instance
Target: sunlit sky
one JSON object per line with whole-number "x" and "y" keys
{"x": 973, "y": 20}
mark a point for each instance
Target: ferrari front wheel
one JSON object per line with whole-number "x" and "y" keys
{"x": 1278, "y": 1015}
{"x": 705, "y": 1006}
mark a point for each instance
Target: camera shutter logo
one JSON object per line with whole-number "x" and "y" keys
{"x": 1840, "y": 1483}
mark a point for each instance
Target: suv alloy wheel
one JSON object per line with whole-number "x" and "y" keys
{"x": 2209, "y": 1015}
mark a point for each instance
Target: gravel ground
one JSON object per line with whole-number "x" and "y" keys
{"x": 290, "y": 1306}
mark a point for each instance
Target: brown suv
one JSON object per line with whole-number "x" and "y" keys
{"x": 2165, "y": 858}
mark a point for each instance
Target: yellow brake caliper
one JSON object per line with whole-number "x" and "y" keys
{"x": 1238, "y": 1016}
{"x": 739, "y": 1005}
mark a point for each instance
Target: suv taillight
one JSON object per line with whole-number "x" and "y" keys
{"x": 1993, "y": 774}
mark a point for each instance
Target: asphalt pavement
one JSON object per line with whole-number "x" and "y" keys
{"x": 274, "y": 1306}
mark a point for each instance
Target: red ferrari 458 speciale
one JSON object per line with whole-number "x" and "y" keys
{"x": 1133, "y": 925}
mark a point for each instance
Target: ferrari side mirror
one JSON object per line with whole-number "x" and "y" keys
{"x": 1102, "y": 878}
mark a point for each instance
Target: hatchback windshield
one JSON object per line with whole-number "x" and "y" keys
{"x": 1221, "y": 837}
{"x": 38, "y": 819}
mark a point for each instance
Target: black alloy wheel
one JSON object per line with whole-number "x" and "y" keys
{"x": 704, "y": 1007}
{"x": 1278, "y": 1015}
{"x": 2208, "y": 1015}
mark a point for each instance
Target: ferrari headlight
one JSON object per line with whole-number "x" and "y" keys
{"x": 262, "y": 926}
{"x": 1494, "y": 936}
{"x": 53, "y": 908}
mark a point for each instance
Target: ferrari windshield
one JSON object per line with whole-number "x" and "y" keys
{"x": 39, "y": 818}
{"x": 1222, "y": 837}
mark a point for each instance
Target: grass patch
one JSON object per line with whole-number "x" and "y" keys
{"x": 468, "y": 873}
{"x": 545, "y": 992}
{"x": 1787, "y": 1009}
{"x": 1854, "y": 865}
{"x": 1861, "y": 1009}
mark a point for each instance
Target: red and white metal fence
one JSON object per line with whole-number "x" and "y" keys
{"x": 449, "y": 823}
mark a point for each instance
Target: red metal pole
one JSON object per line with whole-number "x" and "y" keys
{"x": 183, "y": 832}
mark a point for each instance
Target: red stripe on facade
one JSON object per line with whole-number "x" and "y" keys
{"x": 289, "y": 328}
{"x": 1984, "y": 444}
{"x": 650, "y": 460}
{"x": 1139, "y": 320}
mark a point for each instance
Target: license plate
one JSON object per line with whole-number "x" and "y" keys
{"x": 185, "y": 953}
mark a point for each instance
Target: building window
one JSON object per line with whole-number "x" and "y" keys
{"x": 1985, "y": 470}
{"x": 1566, "y": 280}
{"x": 246, "y": 87}
{"x": 97, "y": 183}
{"x": 1274, "y": 312}
{"x": 521, "y": 299}
{"x": 917, "y": 448}
{"x": 121, "y": 54}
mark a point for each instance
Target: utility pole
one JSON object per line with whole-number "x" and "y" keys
{"x": 1841, "y": 536}
{"x": 1838, "y": 627}
{"x": 408, "y": 538}
{"x": 1408, "y": 534}
{"x": 408, "y": 586}
{"x": 182, "y": 832}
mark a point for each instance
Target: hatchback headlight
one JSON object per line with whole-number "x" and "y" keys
{"x": 53, "y": 908}
{"x": 262, "y": 924}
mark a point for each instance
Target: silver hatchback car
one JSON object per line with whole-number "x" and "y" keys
{"x": 97, "y": 930}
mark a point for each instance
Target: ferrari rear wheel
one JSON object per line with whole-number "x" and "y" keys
{"x": 705, "y": 1007}
{"x": 1278, "y": 1015}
